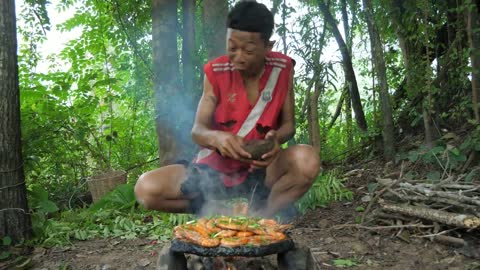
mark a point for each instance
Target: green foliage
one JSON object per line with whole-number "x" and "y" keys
{"x": 121, "y": 198}
{"x": 444, "y": 159}
{"x": 326, "y": 188}
{"x": 114, "y": 216}
{"x": 345, "y": 262}
{"x": 92, "y": 110}
{"x": 4, "y": 248}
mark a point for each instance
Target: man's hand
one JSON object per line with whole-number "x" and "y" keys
{"x": 267, "y": 158}
{"x": 230, "y": 145}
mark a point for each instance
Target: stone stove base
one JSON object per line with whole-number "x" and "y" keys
{"x": 298, "y": 258}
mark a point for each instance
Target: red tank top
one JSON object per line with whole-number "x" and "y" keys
{"x": 233, "y": 107}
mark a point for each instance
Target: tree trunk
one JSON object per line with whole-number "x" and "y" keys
{"x": 284, "y": 26}
{"x": 191, "y": 89}
{"x": 338, "y": 109}
{"x": 348, "y": 118}
{"x": 381, "y": 72}
{"x": 166, "y": 77}
{"x": 346, "y": 26}
{"x": 417, "y": 60}
{"x": 314, "y": 128}
{"x": 348, "y": 68}
{"x": 215, "y": 30}
{"x": 474, "y": 43}
{"x": 14, "y": 219}
{"x": 188, "y": 47}
{"x": 345, "y": 93}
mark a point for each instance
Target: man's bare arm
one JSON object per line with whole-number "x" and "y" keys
{"x": 286, "y": 129}
{"x": 202, "y": 134}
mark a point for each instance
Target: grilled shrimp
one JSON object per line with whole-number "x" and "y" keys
{"x": 277, "y": 236}
{"x": 231, "y": 224}
{"x": 244, "y": 234}
{"x": 256, "y": 229}
{"x": 201, "y": 229}
{"x": 212, "y": 226}
{"x": 225, "y": 234}
{"x": 196, "y": 238}
{"x": 267, "y": 222}
{"x": 234, "y": 241}
{"x": 259, "y": 240}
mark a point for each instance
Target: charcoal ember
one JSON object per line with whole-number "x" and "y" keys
{"x": 257, "y": 148}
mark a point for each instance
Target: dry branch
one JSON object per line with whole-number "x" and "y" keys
{"x": 450, "y": 240}
{"x": 445, "y": 201}
{"x": 452, "y": 186}
{"x": 459, "y": 220}
{"x": 373, "y": 228}
{"x": 442, "y": 194}
{"x": 380, "y": 193}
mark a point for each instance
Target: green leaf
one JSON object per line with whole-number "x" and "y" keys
{"x": 360, "y": 209}
{"x": 372, "y": 187}
{"x": 358, "y": 220}
{"x": 469, "y": 178}
{"x": 5, "y": 255}
{"x": 413, "y": 156}
{"x": 434, "y": 176}
{"x": 39, "y": 193}
{"x": 455, "y": 151}
{"x": 438, "y": 149}
{"x": 47, "y": 206}
{"x": 7, "y": 241}
{"x": 477, "y": 147}
{"x": 344, "y": 263}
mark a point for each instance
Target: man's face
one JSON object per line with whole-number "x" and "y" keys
{"x": 246, "y": 50}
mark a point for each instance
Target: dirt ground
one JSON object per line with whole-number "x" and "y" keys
{"x": 320, "y": 229}
{"x": 366, "y": 249}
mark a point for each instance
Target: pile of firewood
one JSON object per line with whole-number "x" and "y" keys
{"x": 447, "y": 211}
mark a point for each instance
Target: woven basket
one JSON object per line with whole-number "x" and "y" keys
{"x": 101, "y": 184}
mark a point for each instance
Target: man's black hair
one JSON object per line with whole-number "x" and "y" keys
{"x": 251, "y": 16}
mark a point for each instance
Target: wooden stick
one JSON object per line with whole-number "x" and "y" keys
{"x": 453, "y": 186}
{"x": 446, "y": 201}
{"x": 381, "y": 227}
{"x": 429, "y": 192}
{"x": 450, "y": 240}
{"x": 380, "y": 193}
{"x": 459, "y": 220}
{"x": 435, "y": 234}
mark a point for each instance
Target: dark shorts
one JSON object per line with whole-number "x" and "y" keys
{"x": 204, "y": 183}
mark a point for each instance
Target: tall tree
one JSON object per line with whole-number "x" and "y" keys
{"x": 319, "y": 71}
{"x": 381, "y": 72}
{"x": 473, "y": 27}
{"x": 14, "y": 218}
{"x": 347, "y": 99}
{"x": 188, "y": 47}
{"x": 347, "y": 66}
{"x": 166, "y": 77}
{"x": 417, "y": 57}
{"x": 189, "y": 92}
{"x": 313, "y": 127}
{"x": 215, "y": 30}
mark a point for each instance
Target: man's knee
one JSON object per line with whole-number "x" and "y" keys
{"x": 139, "y": 190}
{"x": 143, "y": 191}
{"x": 307, "y": 162}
